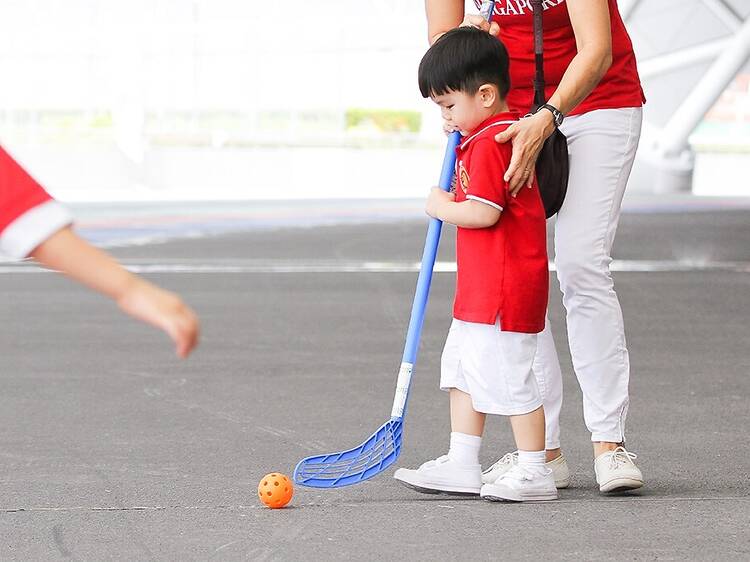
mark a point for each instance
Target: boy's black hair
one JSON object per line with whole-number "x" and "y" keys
{"x": 462, "y": 60}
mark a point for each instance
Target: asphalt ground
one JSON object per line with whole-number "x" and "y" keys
{"x": 111, "y": 449}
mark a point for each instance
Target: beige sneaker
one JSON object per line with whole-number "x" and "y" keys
{"x": 558, "y": 466}
{"x": 616, "y": 472}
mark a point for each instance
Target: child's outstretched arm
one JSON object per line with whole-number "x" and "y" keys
{"x": 466, "y": 214}
{"x": 64, "y": 251}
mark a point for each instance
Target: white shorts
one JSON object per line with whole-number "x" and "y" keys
{"x": 491, "y": 366}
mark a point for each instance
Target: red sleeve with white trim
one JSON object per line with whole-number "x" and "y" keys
{"x": 28, "y": 214}
{"x": 486, "y": 170}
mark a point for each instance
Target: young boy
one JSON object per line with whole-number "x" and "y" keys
{"x": 33, "y": 224}
{"x": 502, "y": 279}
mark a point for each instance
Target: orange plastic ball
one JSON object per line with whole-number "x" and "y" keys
{"x": 275, "y": 490}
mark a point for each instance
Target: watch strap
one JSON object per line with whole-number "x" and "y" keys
{"x": 556, "y": 113}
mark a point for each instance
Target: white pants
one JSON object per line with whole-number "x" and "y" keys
{"x": 602, "y": 147}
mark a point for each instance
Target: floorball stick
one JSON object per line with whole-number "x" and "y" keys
{"x": 383, "y": 447}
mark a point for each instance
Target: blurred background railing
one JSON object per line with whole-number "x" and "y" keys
{"x": 222, "y": 99}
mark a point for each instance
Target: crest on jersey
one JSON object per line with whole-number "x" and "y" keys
{"x": 463, "y": 177}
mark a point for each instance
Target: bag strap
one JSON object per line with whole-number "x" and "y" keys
{"x": 539, "y": 95}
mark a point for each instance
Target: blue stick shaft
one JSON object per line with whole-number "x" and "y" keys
{"x": 428, "y": 258}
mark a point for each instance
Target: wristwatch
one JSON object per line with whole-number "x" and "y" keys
{"x": 557, "y": 115}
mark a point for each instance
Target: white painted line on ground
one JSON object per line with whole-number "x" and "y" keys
{"x": 308, "y": 266}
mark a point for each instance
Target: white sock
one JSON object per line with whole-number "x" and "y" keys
{"x": 533, "y": 460}
{"x": 464, "y": 448}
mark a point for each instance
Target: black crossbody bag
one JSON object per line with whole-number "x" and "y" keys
{"x": 553, "y": 165}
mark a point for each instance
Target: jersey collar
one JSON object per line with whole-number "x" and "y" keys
{"x": 505, "y": 118}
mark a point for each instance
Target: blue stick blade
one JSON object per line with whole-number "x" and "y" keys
{"x": 344, "y": 468}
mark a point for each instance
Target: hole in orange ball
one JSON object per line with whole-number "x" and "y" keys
{"x": 269, "y": 493}
{"x": 265, "y": 483}
{"x": 275, "y": 483}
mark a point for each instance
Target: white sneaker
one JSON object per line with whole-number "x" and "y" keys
{"x": 558, "y": 466}
{"x": 442, "y": 476}
{"x": 521, "y": 484}
{"x": 616, "y": 471}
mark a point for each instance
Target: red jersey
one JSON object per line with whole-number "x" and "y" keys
{"x": 502, "y": 269}
{"x": 28, "y": 214}
{"x": 620, "y": 86}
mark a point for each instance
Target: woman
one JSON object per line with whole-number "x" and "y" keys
{"x": 596, "y": 99}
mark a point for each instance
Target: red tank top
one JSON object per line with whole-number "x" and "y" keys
{"x": 620, "y": 86}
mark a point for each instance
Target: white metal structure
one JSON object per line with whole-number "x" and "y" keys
{"x": 689, "y": 52}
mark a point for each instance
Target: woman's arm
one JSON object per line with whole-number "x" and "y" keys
{"x": 442, "y": 15}
{"x": 593, "y": 31}
{"x": 591, "y": 24}
{"x": 466, "y": 214}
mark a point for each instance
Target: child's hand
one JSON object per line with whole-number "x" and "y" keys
{"x": 436, "y": 200}
{"x": 162, "y": 309}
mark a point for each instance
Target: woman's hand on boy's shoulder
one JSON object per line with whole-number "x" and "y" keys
{"x": 436, "y": 200}
{"x": 527, "y": 135}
